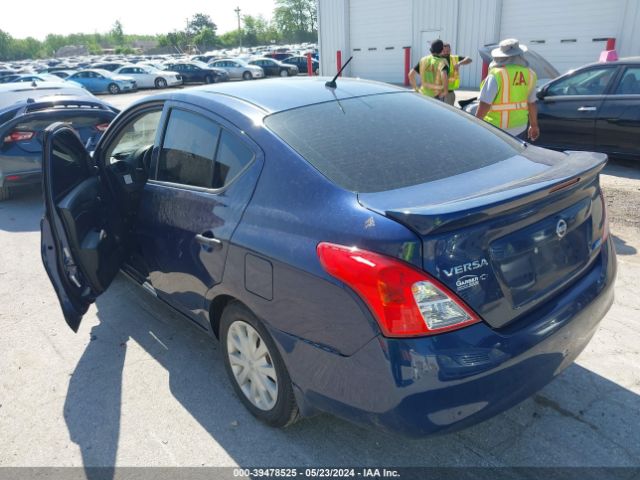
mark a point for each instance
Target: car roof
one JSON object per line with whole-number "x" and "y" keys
{"x": 275, "y": 95}
{"x": 620, "y": 61}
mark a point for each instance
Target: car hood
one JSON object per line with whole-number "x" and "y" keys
{"x": 543, "y": 69}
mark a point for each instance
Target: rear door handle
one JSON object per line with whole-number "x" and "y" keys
{"x": 208, "y": 239}
{"x": 587, "y": 109}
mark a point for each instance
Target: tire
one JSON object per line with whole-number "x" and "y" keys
{"x": 216, "y": 79}
{"x": 247, "y": 76}
{"x": 284, "y": 73}
{"x": 114, "y": 89}
{"x": 238, "y": 322}
{"x": 5, "y": 193}
{"x": 208, "y": 79}
{"x": 161, "y": 83}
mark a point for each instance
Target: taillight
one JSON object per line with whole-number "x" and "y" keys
{"x": 102, "y": 127}
{"x": 405, "y": 301}
{"x": 19, "y": 136}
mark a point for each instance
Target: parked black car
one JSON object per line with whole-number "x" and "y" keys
{"x": 112, "y": 66}
{"x": 193, "y": 73}
{"x": 281, "y": 56}
{"x": 595, "y": 107}
{"x": 273, "y": 67}
{"x": 300, "y": 61}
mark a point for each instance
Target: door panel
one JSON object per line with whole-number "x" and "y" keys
{"x": 568, "y": 122}
{"x": 184, "y": 230}
{"x": 618, "y": 123}
{"x": 567, "y": 113}
{"x": 80, "y": 247}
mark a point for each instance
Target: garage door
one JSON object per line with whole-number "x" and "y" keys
{"x": 378, "y": 33}
{"x": 568, "y": 33}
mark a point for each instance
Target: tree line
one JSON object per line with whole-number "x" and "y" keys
{"x": 294, "y": 21}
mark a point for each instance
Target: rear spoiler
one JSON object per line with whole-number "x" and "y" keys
{"x": 578, "y": 169}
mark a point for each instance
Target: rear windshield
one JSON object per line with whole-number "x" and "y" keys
{"x": 383, "y": 142}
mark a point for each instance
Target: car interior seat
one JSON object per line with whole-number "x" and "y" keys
{"x": 630, "y": 85}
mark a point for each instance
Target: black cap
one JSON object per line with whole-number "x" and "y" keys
{"x": 437, "y": 46}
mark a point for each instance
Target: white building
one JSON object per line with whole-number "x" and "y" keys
{"x": 568, "y": 33}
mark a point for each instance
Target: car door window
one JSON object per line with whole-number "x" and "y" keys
{"x": 630, "y": 83}
{"x": 188, "y": 150}
{"x": 139, "y": 132}
{"x": 233, "y": 156}
{"x": 589, "y": 82}
{"x": 68, "y": 170}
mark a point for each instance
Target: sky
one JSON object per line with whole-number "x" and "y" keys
{"x": 137, "y": 16}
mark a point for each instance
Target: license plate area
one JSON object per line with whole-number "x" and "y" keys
{"x": 533, "y": 261}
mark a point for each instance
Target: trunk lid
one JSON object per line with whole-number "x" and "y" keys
{"x": 84, "y": 122}
{"x": 508, "y": 236}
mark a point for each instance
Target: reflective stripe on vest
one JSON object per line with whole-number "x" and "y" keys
{"x": 431, "y": 79}
{"x": 454, "y": 76}
{"x": 510, "y": 107}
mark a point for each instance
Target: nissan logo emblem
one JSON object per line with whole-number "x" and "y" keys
{"x": 561, "y": 228}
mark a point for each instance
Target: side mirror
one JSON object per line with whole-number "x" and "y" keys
{"x": 541, "y": 93}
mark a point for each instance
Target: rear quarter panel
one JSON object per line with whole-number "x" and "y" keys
{"x": 292, "y": 210}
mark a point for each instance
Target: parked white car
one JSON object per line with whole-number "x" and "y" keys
{"x": 149, "y": 77}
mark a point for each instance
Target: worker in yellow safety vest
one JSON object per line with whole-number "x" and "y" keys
{"x": 455, "y": 62}
{"x": 508, "y": 94}
{"x": 432, "y": 69}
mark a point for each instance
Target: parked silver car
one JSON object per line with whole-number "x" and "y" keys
{"x": 237, "y": 68}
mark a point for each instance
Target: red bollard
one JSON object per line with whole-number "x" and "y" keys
{"x": 309, "y": 64}
{"x": 611, "y": 44}
{"x": 407, "y": 65}
{"x": 485, "y": 70}
{"x": 339, "y": 60}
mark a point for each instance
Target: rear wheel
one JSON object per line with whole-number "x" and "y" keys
{"x": 284, "y": 72}
{"x": 255, "y": 367}
{"x": 4, "y": 193}
{"x": 161, "y": 83}
{"x": 247, "y": 76}
{"x": 113, "y": 88}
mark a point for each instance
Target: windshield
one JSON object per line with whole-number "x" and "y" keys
{"x": 384, "y": 142}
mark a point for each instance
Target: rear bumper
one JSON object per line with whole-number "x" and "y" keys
{"x": 20, "y": 170}
{"x": 439, "y": 384}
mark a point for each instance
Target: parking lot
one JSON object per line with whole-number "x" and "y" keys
{"x": 139, "y": 386}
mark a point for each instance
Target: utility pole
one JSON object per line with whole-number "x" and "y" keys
{"x": 237, "y": 10}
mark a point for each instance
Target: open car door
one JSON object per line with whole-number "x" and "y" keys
{"x": 83, "y": 235}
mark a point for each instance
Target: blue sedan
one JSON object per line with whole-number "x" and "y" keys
{"x": 103, "y": 81}
{"x": 22, "y": 129}
{"x": 351, "y": 255}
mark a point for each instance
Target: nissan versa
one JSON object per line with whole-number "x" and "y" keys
{"x": 359, "y": 250}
